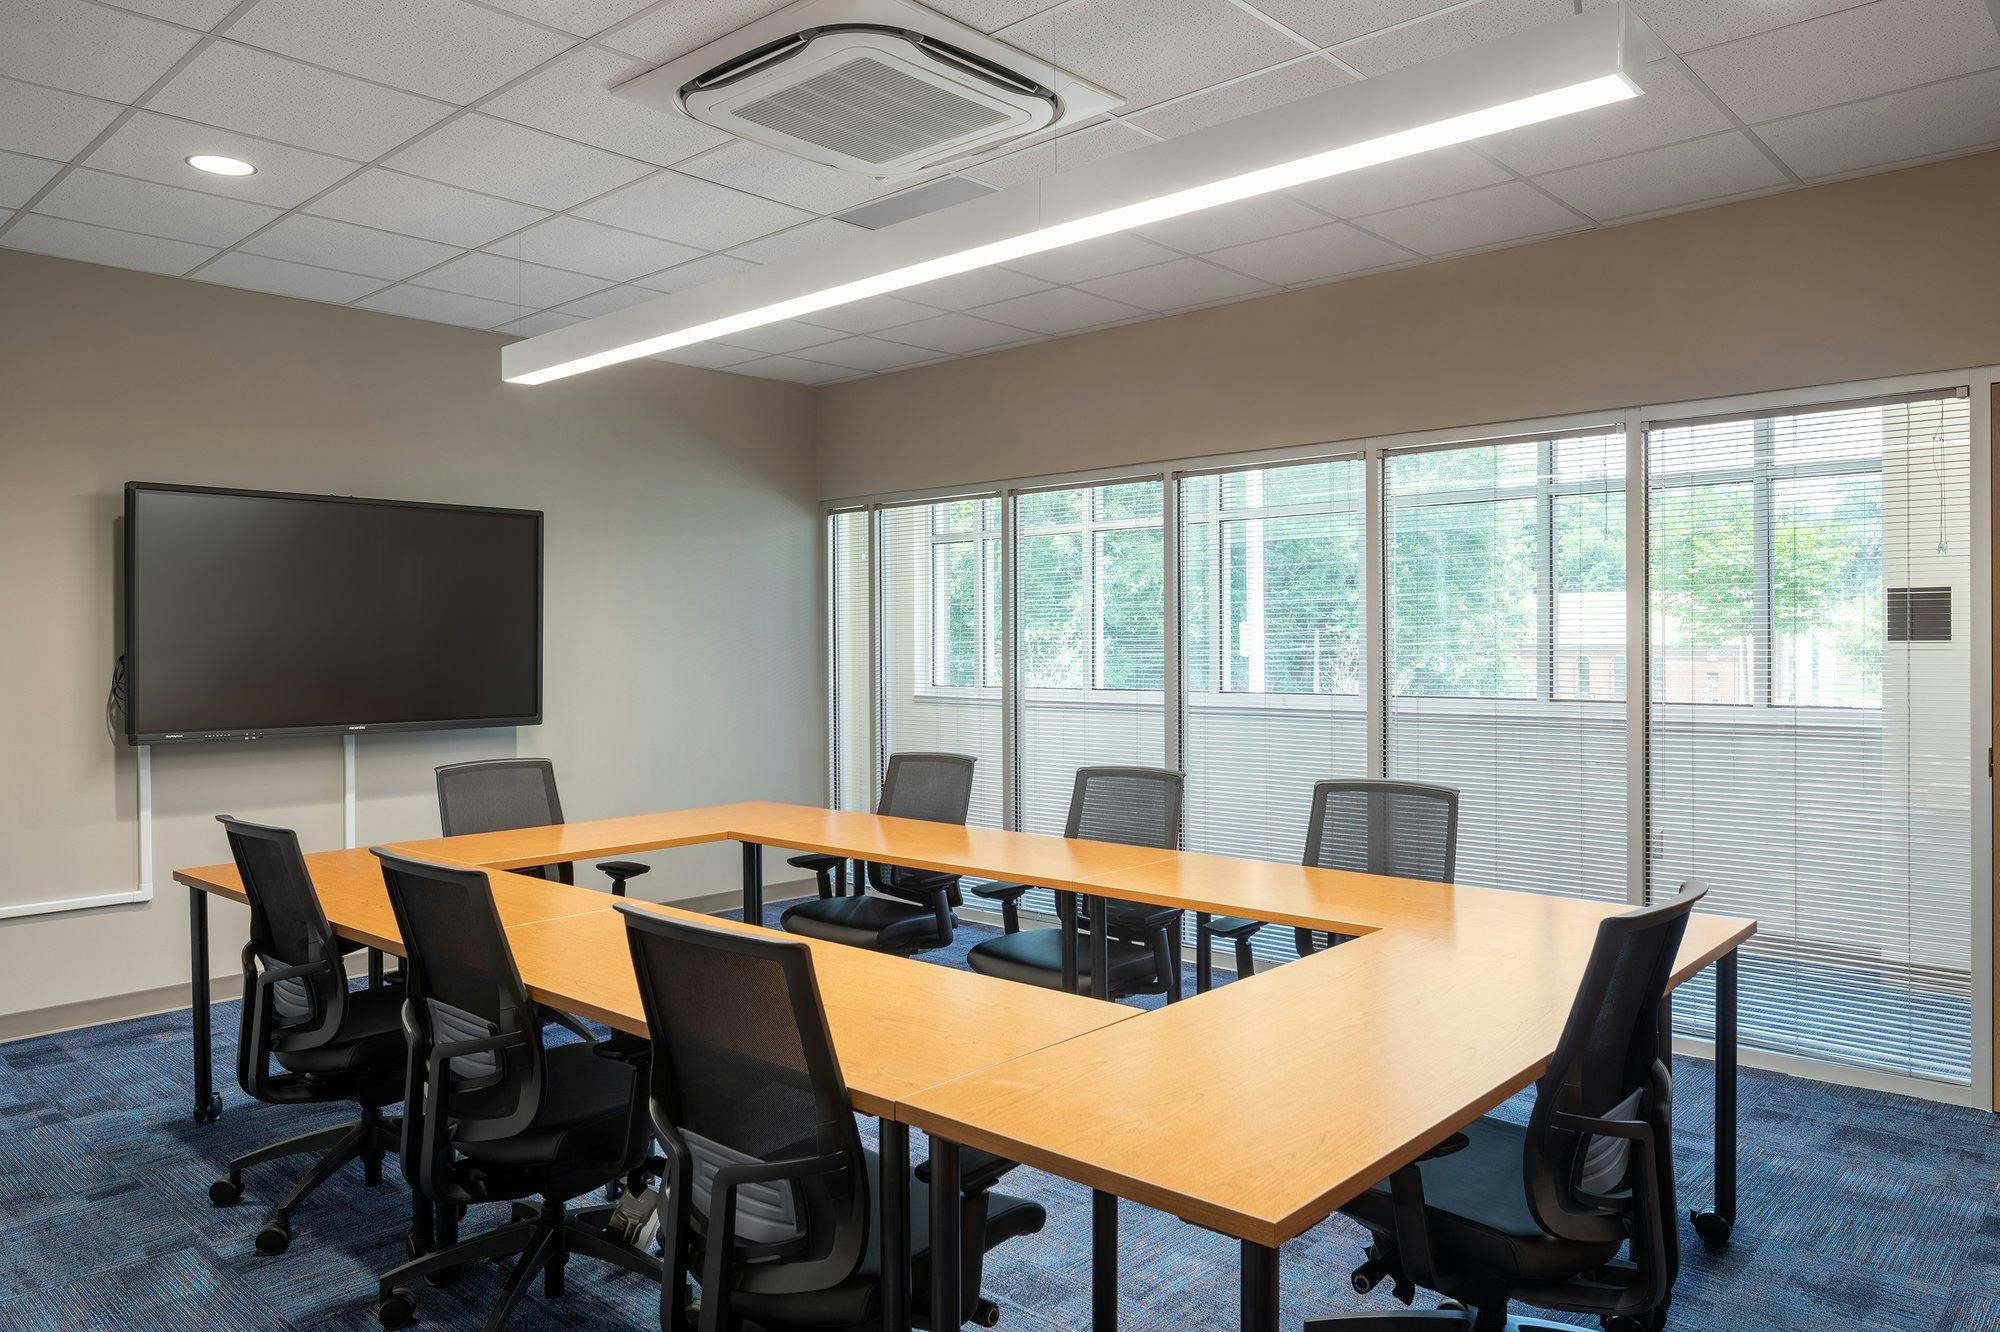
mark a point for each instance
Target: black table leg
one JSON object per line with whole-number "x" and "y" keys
{"x": 1100, "y": 948}
{"x": 1103, "y": 1261}
{"x": 753, "y": 882}
{"x": 1715, "y": 1226}
{"x": 947, "y": 1306}
{"x": 893, "y": 1152}
{"x": 1204, "y": 954}
{"x": 1259, "y": 1310}
{"x": 374, "y": 968}
{"x": 207, "y": 1105}
{"x": 1066, "y": 921}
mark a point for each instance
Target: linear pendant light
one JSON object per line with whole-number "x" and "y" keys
{"x": 1588, "y": 61}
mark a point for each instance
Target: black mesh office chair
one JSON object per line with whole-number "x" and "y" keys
{"x": 333, "y": 1043}
{"x": 910, "y": 910}
{"x": 1405, "y": 829}
{"x": 1539, "y": 1213}
{"x": 771, "y": 1200}
{"x": 1135, "y": 806}
{"x": 496, "y": 795}
{"x": 492, "y": 1114}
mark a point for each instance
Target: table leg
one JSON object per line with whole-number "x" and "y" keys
{"x": 753, "y": 882}
{"x": 894, "y": 1164}
{"x": 1204, "y": 954}
{"x": 1066, "y": 922}
{"x": 947, "y": 1307}
{"x": 1714, "y": 1226}
{"x": 207, "y": 1105}
{"x": 374, "y": 968}
{"x": 1103, "y": 1261}
{"x": 1100, "y": 948}
{"x": 1259, "y": 1307}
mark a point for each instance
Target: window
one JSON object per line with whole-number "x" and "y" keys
{"x": 964, "y": 647}
{"x": 849, "y": 626}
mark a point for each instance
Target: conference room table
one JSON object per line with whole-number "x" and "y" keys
{"x": 1254, "y": 1110}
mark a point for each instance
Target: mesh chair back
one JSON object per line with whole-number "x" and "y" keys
{"x": 463, "y": 986}
{"x": 1135, "y": 806}
{"x": 744, "y": 1073}
{"x": 934, "y": 787}
{"x": 496, "y": 795}
{"x": 1404, "y": 829}
{"x": 287, "y": 926}
{"x": 1607, "y": 1065}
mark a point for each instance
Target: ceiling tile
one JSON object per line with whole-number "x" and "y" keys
{"x": 959, "y": 334}
{"x": 814, "y": 235}
{"x": 708, "y": 268}
{"x": 586, "y": 247}
{"x": 1057, "y": 310}
{"x": 101, "y": 245}
{"x": 242, "y": 88}
{"x": 1878, "y": 48}
{"x": 608, "y": 300}
{"x": 756, "y": 169}
{"x": 444, "y": 307}
{"x": 786, "y": 337}
{"x": 1065, "y": 152}
{"x": 21, "y": 176}
{"x": 285, "y": 279}
{"x": 1672, "y": 110}
{"x": 694, "y": 212}
{"x": 585, "y": 18}
{"x": 498, "y": 278}
{"x": 498, "y": 157}
{"x": 1328, "y": 24}
{"x": 987, "y": 15}
{"x": 203, "y": 14}
{"x": 1661, "y": 178}
{"x": 679, "y": 27}
{"x": 86, "y": 48}
{"x": 707, "y": 355}
{"x": 156, "y": 148}
{"x": 1452, "y": 30}
{"x": 1146, "y": 51}
{"x": 1260, "y": 92}
{"x": 982, "y": 286}
{"x": 45, "y": 123}
{"x": 1175, "y": 286}
{"x": 1507, "y": 212}
{"x": 861, "y": 353}
{"x": 793, "y": 369}
{"x": 323, "y": 242}
{"x": 573, "y": 98}
{"x": 442, "y": 48}
{"x": 1942, "y": 118}
{"x": 1375, "y": 189}
{"x": 545, "y": 321}
{"x": 1093, "y": 258}
{"x": 1235, "y": 224}
{"x": 872, "y": 315}
{"x": 392, "y": 202}
{"x": 1689, "y": 25}
{"x": 5, "y": 215}
{"x": 153, "y": 210}
{"x": 1309, "y": 256}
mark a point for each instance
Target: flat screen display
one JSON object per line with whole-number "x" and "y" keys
{"x": 249, "y": 613}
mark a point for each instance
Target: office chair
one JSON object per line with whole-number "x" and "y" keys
{"x": 910, "y": 910}
{"x": 1405, "y": 829}
{"x": 1135, "y": 806}
{"x": 770, "y": 1200}
{"x": 333, "y": 1043}
{"x": 494, "y": 1115}
{"x": 1539, "y": 1213}
{"x": 496, "y": 795}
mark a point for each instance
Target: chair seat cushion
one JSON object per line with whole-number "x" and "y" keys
{"x": 369, "y": 1043}
{"x": 586, "y": 1098}
{"x": 1035, "y": 957}
{"x": 1478, "y": 1206}
{"x": 865, "y": 921}
{"x": 1233, "y": 927}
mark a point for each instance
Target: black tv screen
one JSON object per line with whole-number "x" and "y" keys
{"x": 251, "y": 613}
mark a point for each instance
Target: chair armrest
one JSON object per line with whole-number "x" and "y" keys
{"x": 813, "y": 861}
{"x": 1143, "y": 918}
{"x": 977, "y": 1171}
{"x": 1457, "y": 1142}
{"x": 1000, "y": 892}
{"x": 621, "y": 870}
{"x": 634, "y": 1050}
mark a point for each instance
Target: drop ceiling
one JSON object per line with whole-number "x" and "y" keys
{"x": 463, "y": 162}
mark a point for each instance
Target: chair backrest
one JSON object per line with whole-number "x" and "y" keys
{"x": 1405, "y": 829}
{"x": 1136, "y": 806}
{"x": 495, "y": 795}
{"x": 744, "y": 1073}
{"x": 1607, "y": 1065}
{"x": 287, "y": 926}
{"x": 937, "y": 787}
{"x": 463, "y": 986}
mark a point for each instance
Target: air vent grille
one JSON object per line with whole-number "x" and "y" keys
{"x": 868, "y": 110}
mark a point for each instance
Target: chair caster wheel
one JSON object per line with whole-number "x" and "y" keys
{"x": 395, "y": 1310}
{"x": 225, "y": 1191}
{"x": 1713, "y": 1227}
{"x": 275, "y": 1237}
{"x": 206, "y": 1112}
{"x": 985, "y": 1313}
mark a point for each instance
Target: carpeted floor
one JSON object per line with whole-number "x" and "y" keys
{"x": 1860, "y": 1211}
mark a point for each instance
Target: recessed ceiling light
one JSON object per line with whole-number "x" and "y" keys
{"x": 221, "y": 166}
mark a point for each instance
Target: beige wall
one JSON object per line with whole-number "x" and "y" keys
{"x": 1890, "y": 274}
{"x": 682, "y": 585}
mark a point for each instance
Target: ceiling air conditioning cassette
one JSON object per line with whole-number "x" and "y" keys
{"x": 877, "y": 87}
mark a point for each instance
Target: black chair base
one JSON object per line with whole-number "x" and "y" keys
{"x": 541, "y": 1238}
{"x": 367, "y": 1139}
{"x": 1460, "y": 1320}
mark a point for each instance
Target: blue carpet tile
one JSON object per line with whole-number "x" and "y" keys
{"x": 1860, "y": 1210}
